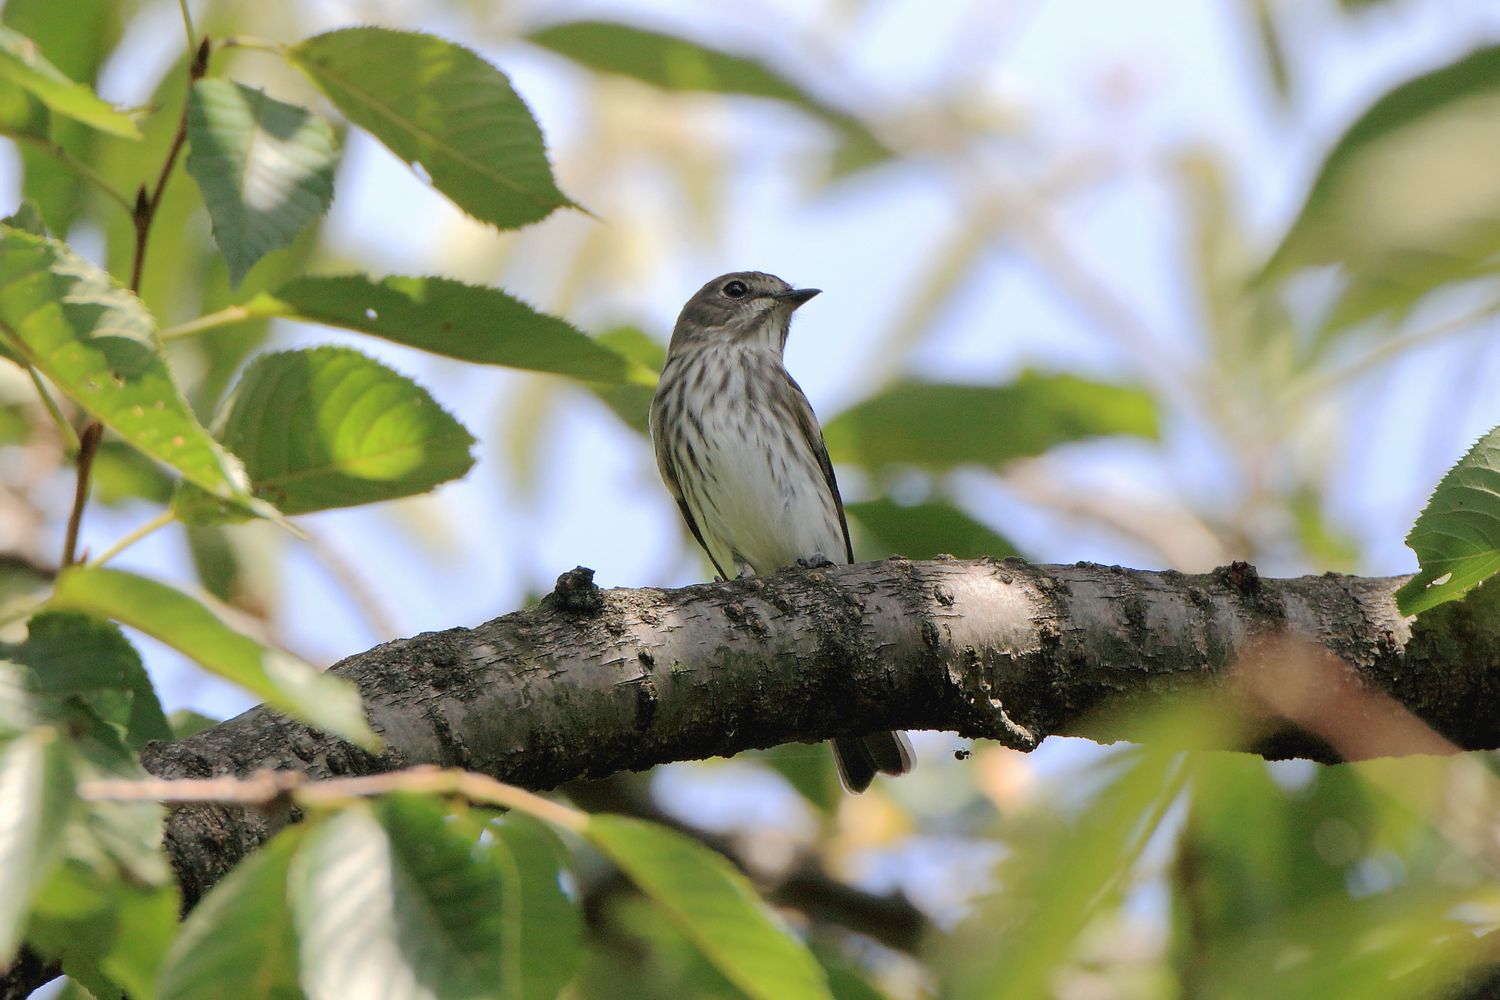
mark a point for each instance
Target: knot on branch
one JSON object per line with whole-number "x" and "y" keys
{"x": 575, "y": 593}
{"x": 1240, "y": 577}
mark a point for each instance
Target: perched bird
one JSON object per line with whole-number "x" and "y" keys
{"x": 742, "y": 454}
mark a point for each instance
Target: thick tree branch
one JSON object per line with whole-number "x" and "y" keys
{"x": 591, "y": 682}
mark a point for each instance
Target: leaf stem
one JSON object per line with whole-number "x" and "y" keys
{"x": 88, "y": 447}
{"x": 158, "y": 522}
{"x": 251, "y": 42}
{"x": 66, "y": 159}
{"x": 209, "y": 321}
{"x": 187, "y": 23}
{"x": 144, "y": 211}
{"x": 70, "y": 436}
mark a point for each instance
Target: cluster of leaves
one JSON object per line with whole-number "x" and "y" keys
{"x": 403, "y": 894}
{"x": 414, "y": 895}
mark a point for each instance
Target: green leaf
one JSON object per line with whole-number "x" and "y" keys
{"x": 1457, "y": 535}
{"x": 939, "y": 426}
{"x": 390, "y": 901}
{"x": 121, "y": 474}
{"x": 22, "y": 63}
{"x": 924, "y": 530}
{"x": 676, "y": 63}
{"x": 439, "y": 106}
{"x": 79, "y": 655}
{"x": 632, "y": 403}
{"x": 448, "y": 317}
{"x": 239, "y": 941}
{"x": 543, "y": 928}
{"x": 96, "y": 343}
{"x": 1398, "y": 202}
{"x": 285, "y": 683}
{"x": 36, "y": 799}
{"x": 265, "y": 168}
{"x": 77, "y": 45}
{"x": 329, "y": 427}
{"x": 714, "y": 905}
{"x": 27, "y": 218}
{"x": 1058, "y": 876}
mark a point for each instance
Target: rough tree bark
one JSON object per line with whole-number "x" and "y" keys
{"x": 592, "y": 682}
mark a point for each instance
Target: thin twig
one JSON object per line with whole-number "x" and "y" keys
{"x": 147, "y": 204}
{"x": 88, "y": 447}
{"x": 66, "y": 159}
{"x": 265, "y": 787}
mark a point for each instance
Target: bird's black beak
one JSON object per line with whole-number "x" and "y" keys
{"x": 796, "y": 296}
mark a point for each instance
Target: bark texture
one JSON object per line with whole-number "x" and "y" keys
{"x": 592, "y": 682}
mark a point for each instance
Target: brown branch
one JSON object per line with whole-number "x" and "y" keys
{"x": 590, "y": 682}
{"x": 88, "y": 447}
{"x": 144, "y": 211}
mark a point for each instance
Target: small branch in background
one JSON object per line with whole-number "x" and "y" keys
{"x": 88, "y": 447}
{"x": 146, "y": 205}
{"x": 265, "y": 787}
{"x": 377, "y": 616}
{"x": 804, "y": 884}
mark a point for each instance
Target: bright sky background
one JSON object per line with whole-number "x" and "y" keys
{"x": 1194, "y": 80}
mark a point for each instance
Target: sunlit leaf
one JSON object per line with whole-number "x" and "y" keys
{"x": 939, "y": 425}
{"x": 676, "y": 63}
{"x": 239, "y": 941}
{"x": 714, "y": 905}
{"x": 448, "y": 317}
{"x": 329, "y": 427}
{"x": 96, "y": 343}
{"x": 169, "y": 616}
{"x": 36, "y": 798}
{"x": 1401, "y": 202}
{"x": 1457, "y": 535}
{"x": 390, "y": 901}
{"x": 440, "y": 107}
{"x": 23, "y": 64}
{"x": 923, "y": 530}
{"x": 265, "y": 168}
{"x": 543, "y": 928}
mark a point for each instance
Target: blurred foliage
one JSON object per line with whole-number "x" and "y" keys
{"x": 1135, "y": 873}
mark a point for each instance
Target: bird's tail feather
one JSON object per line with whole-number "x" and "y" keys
{"x": 860, "y": 758}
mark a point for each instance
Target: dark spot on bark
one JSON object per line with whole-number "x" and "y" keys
{"x": 1239, "y": 576}
{"x": 745, "y": 618}
{"x": 647, "y": 660}
{"x": 943, "y": 595}
{"x": 576, "y": 593}
{"x": 1199, "y": 597}
{"x": 931, "y": 638}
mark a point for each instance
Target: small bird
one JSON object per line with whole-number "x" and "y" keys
{"x": 741, "y": 452}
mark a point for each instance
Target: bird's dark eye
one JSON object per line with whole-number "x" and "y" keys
{"x": 736, "y": 289}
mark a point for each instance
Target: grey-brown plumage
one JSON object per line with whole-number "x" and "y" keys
{"x": 741, "y": 452}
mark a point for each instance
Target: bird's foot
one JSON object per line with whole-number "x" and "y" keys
{"x": 818, "y": 561}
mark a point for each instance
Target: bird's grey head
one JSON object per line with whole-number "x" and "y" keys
{"x": 739, "y": 307}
